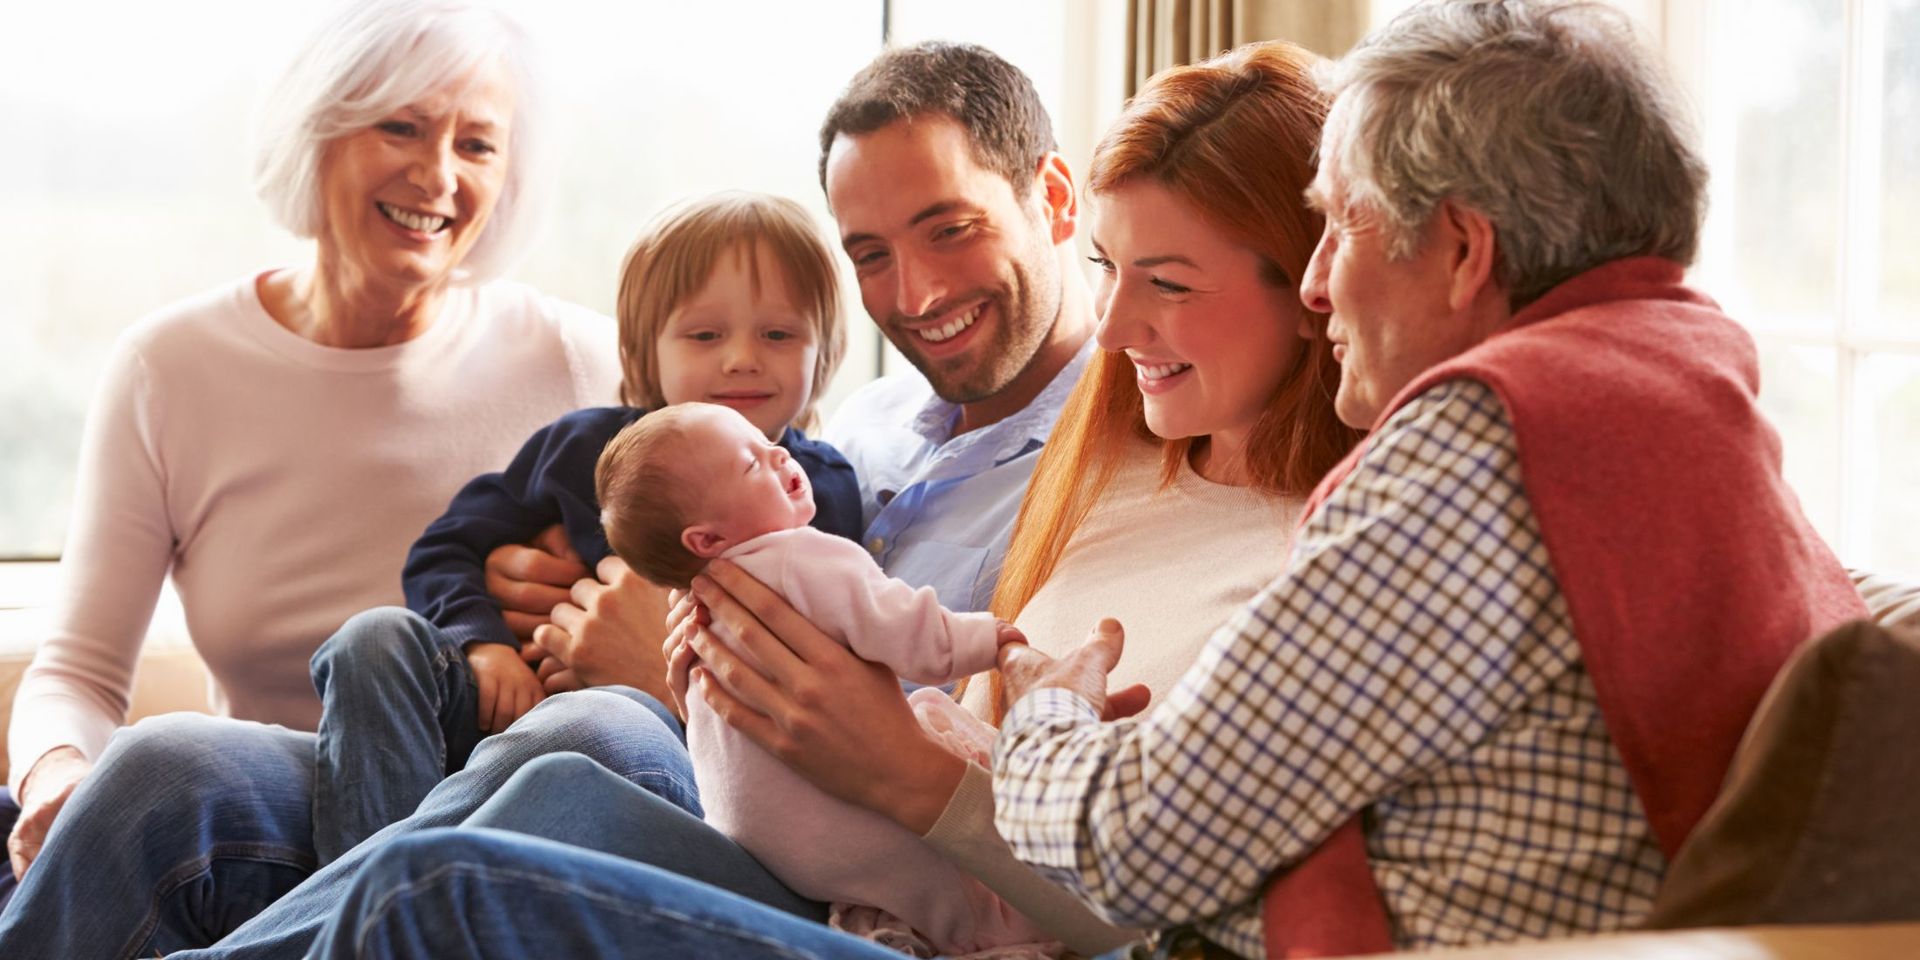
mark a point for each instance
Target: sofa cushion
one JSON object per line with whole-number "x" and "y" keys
{"x": 1816, "y": 823}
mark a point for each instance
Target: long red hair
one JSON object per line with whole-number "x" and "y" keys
{"x": 1235, "y": 137}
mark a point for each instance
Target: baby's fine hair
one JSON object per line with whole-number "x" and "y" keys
{"x": 676, "y": 255}
{"x": 646, "y": 500}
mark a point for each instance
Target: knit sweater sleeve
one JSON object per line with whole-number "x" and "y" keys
{"x": 549, "y": 481}
{"x": 120, "y": 544}
{"x": 880, "y": 618}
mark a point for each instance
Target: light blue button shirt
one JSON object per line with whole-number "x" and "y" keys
{"x": 938, "y": 508}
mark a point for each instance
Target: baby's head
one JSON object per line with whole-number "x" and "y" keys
{"x": 682, "y": 485}
{"x": 733, "y": 299}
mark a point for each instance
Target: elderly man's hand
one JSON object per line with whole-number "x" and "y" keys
{"x": 1083, "y": 671}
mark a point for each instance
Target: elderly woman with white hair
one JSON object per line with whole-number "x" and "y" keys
{"x": 276, "y": 443}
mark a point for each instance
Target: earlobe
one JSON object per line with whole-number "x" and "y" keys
{"x": 1054, "y": 180}
{"x": 1474, "y": 243}
{"x": 703, "y": 541}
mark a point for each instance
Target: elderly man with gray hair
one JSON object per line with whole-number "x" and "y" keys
{"x": 1526, "y": 622}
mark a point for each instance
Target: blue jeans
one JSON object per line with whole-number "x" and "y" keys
{"x": 191, "y": 827}
{"x": 401, "y": 712}
{"x": 9, "y": 813}
{"x": 486, "y": 893}
{"x": 568, "y": 798}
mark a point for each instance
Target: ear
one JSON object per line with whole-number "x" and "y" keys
{"x": 1054, "y": 182}
{"x": 1471, "y": 244}
{"x": 704, "y": 541}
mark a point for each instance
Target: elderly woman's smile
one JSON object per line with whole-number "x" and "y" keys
{"x": 408, "y": 195}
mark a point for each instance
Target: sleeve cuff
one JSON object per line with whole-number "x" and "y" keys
{"x": 963, "y": 811}
{"x": 1047, "y": 707}
{"x": 479, "y": 623}
{"x": 976, "y": 642}
{"x": 44, "y": 722}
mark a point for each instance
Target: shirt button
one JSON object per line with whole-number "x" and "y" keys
{"x": 876, "y": 545}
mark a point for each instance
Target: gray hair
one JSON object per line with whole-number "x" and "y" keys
{"x": 375, "y": 57}
{"x": 1548, "y": 118}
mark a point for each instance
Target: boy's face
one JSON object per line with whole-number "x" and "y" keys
{"x": 732, "y": 345}
{"x": 744, "y": 484}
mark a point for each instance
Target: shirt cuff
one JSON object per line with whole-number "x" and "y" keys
{"x": 1055, "y": 707}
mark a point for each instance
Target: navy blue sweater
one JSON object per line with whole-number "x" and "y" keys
{"x": 551, "y": 481}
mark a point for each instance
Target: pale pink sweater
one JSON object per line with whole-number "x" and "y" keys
{"x": 280, "y": 483}
{"x": 821, "y": 847}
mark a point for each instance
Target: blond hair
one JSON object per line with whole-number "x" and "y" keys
{"x": 675, "y": 256}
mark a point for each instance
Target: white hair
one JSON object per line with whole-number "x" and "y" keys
{"x": 375, "y": 57}
{"x": 1548, "y": 118}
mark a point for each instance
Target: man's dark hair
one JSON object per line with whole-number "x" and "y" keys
{"x": 988, "y": 96}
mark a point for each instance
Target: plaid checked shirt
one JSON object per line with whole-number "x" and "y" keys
{"x": 1416, "y": 662}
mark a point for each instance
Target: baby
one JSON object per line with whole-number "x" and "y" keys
{"x": 697, "y": 482}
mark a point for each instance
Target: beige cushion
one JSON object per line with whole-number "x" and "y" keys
{"x": 169, "y": 679}
{"x": 1817, "y": 821}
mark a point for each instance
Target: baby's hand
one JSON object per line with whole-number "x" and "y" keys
{"x": 508, "y": 687}
{"x": 1007, "y": 633}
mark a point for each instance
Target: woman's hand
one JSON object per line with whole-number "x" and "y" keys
{"x": 609, "y": 630}
{"x": 836, "y": 719}
{"x": 529, "y": 580}
{"x": 42, "y": 795}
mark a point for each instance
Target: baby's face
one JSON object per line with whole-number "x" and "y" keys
{"x": 748, "y": 485}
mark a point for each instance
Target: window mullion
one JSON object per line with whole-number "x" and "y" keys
{"x": 1859, "y": 266}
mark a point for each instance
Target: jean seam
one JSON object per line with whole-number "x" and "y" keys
{"x": 183, "y": 873}
{"x": 486, "y": 874}
{"x": 683, "y": 786}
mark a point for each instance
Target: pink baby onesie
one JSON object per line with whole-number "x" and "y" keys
{"x": 822, "y": 847}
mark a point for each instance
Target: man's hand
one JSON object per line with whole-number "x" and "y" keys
{"x": 1083, "y": 671}
{"x": 43, "y": 794}
{"x": 508, "y": 688}
{"x": 528, "y": 581}
{"x": 610, "y": 631}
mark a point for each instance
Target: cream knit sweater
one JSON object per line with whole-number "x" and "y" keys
{"x": 279, "y": 483}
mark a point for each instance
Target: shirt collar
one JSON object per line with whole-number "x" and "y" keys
{"x": 1012, "y": 436}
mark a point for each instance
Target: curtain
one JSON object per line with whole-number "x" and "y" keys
{"x": 1168, "y": 33}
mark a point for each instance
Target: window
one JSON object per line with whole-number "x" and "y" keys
{"x": 125, "y": 180}
{"x": 1810, "y": 115}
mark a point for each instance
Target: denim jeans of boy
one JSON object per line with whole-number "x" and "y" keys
{"x": 401, "y": 712}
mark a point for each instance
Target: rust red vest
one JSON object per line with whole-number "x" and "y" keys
{"x": 1687, "y": 567}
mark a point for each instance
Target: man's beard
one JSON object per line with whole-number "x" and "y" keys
{"x": 991, "y": 365}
